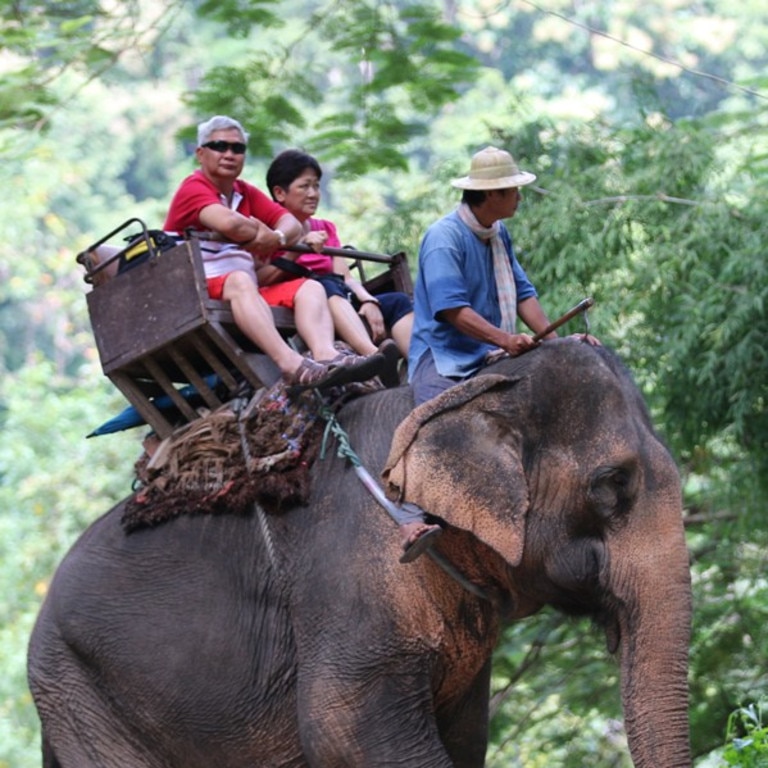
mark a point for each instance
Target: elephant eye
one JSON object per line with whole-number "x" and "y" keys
{"x": 612, "y": 491}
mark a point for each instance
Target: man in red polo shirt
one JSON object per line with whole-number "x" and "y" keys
{"x": 249, "y": 229}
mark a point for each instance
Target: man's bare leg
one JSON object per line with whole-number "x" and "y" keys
{"x": 254, "y": 318}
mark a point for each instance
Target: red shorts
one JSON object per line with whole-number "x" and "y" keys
{"x": 282, "y": 294}
{"x": 277, "y": 295}
{"x": 216, "y": 286}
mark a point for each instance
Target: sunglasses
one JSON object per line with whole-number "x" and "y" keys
{"x": 237, "y": 147}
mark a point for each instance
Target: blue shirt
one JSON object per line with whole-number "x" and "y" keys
{"x": 456, "y": 270}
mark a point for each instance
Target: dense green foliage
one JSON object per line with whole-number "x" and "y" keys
{"x": 392, "y": 68}
{"x": 647, "y": 128}
{"x": 747, "y": 736}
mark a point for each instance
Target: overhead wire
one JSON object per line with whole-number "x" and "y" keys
{"x": 644, "y": 51}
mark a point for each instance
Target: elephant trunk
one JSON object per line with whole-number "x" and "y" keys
{"x": 655, "y": 636}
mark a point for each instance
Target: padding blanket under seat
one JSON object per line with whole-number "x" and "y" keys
{"x": 225, "y": 461}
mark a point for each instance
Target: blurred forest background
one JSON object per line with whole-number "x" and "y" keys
{"x": 647, "y": 124}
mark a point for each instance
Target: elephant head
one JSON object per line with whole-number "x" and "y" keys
{"x": 550, "y": 463}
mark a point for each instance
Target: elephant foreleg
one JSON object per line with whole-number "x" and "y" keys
{"x": 81, "y": 731}
{"x": 352, "y": 725}
{"x": 463, "y": 724}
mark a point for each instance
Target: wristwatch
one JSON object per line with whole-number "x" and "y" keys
{"x": 281, "y": 236}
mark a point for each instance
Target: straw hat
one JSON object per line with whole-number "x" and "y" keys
{"x": 493, "y": 168}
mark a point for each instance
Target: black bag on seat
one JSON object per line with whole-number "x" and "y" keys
{"x": 144, "y": 246}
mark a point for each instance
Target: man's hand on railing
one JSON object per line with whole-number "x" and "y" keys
{"x": 265, "y": 243}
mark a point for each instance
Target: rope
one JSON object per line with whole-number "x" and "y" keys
{"x": 267, "y": 534}
{"x": 344, "y": 450}
{"x": 332, "y": 426}
{"x": 239, "y": 407}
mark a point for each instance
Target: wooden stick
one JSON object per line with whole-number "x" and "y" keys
{"x": 350, "y": 253}
{"x": 582, "y": 306}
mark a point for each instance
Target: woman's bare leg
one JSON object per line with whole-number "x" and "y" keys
{"x": 401, "y": 333}
{"x": 349, "y": 327}
{"x": 313, "y": 320}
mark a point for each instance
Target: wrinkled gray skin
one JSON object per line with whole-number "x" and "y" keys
{"x": 197, "y": 644}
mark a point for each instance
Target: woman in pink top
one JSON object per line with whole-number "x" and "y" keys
{"x": 293, "y": 180}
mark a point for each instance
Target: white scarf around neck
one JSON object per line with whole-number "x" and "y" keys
{"x": 502, "y": 267}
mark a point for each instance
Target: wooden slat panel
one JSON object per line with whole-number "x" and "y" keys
{"x": 158, "y": 374}
{"x": 195, "y": 379}
{"x": 221, "y": 312}
{"x": 140, "y": 311}
{"x": 202, "y": 344}
{"x": 221, "y": 337}
{"x": 140, "y": 402}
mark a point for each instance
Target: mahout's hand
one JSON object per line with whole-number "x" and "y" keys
{"x": 586, "y": 338}
{"x": 518, "y": 343}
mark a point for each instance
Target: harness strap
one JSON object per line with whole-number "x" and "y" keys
{"x": 291, "y": 266}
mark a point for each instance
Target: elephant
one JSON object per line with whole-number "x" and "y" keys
{"x": 298, "y": 639}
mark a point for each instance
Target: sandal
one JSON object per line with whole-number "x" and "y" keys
{"x": 347, "y": 368}
{"x": 425, "y": 538}
{"x": 312, "y": 375}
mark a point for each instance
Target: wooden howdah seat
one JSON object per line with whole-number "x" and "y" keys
{"x": 157, "y": 330}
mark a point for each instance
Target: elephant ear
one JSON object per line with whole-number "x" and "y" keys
{"x": 458, "y": 457}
